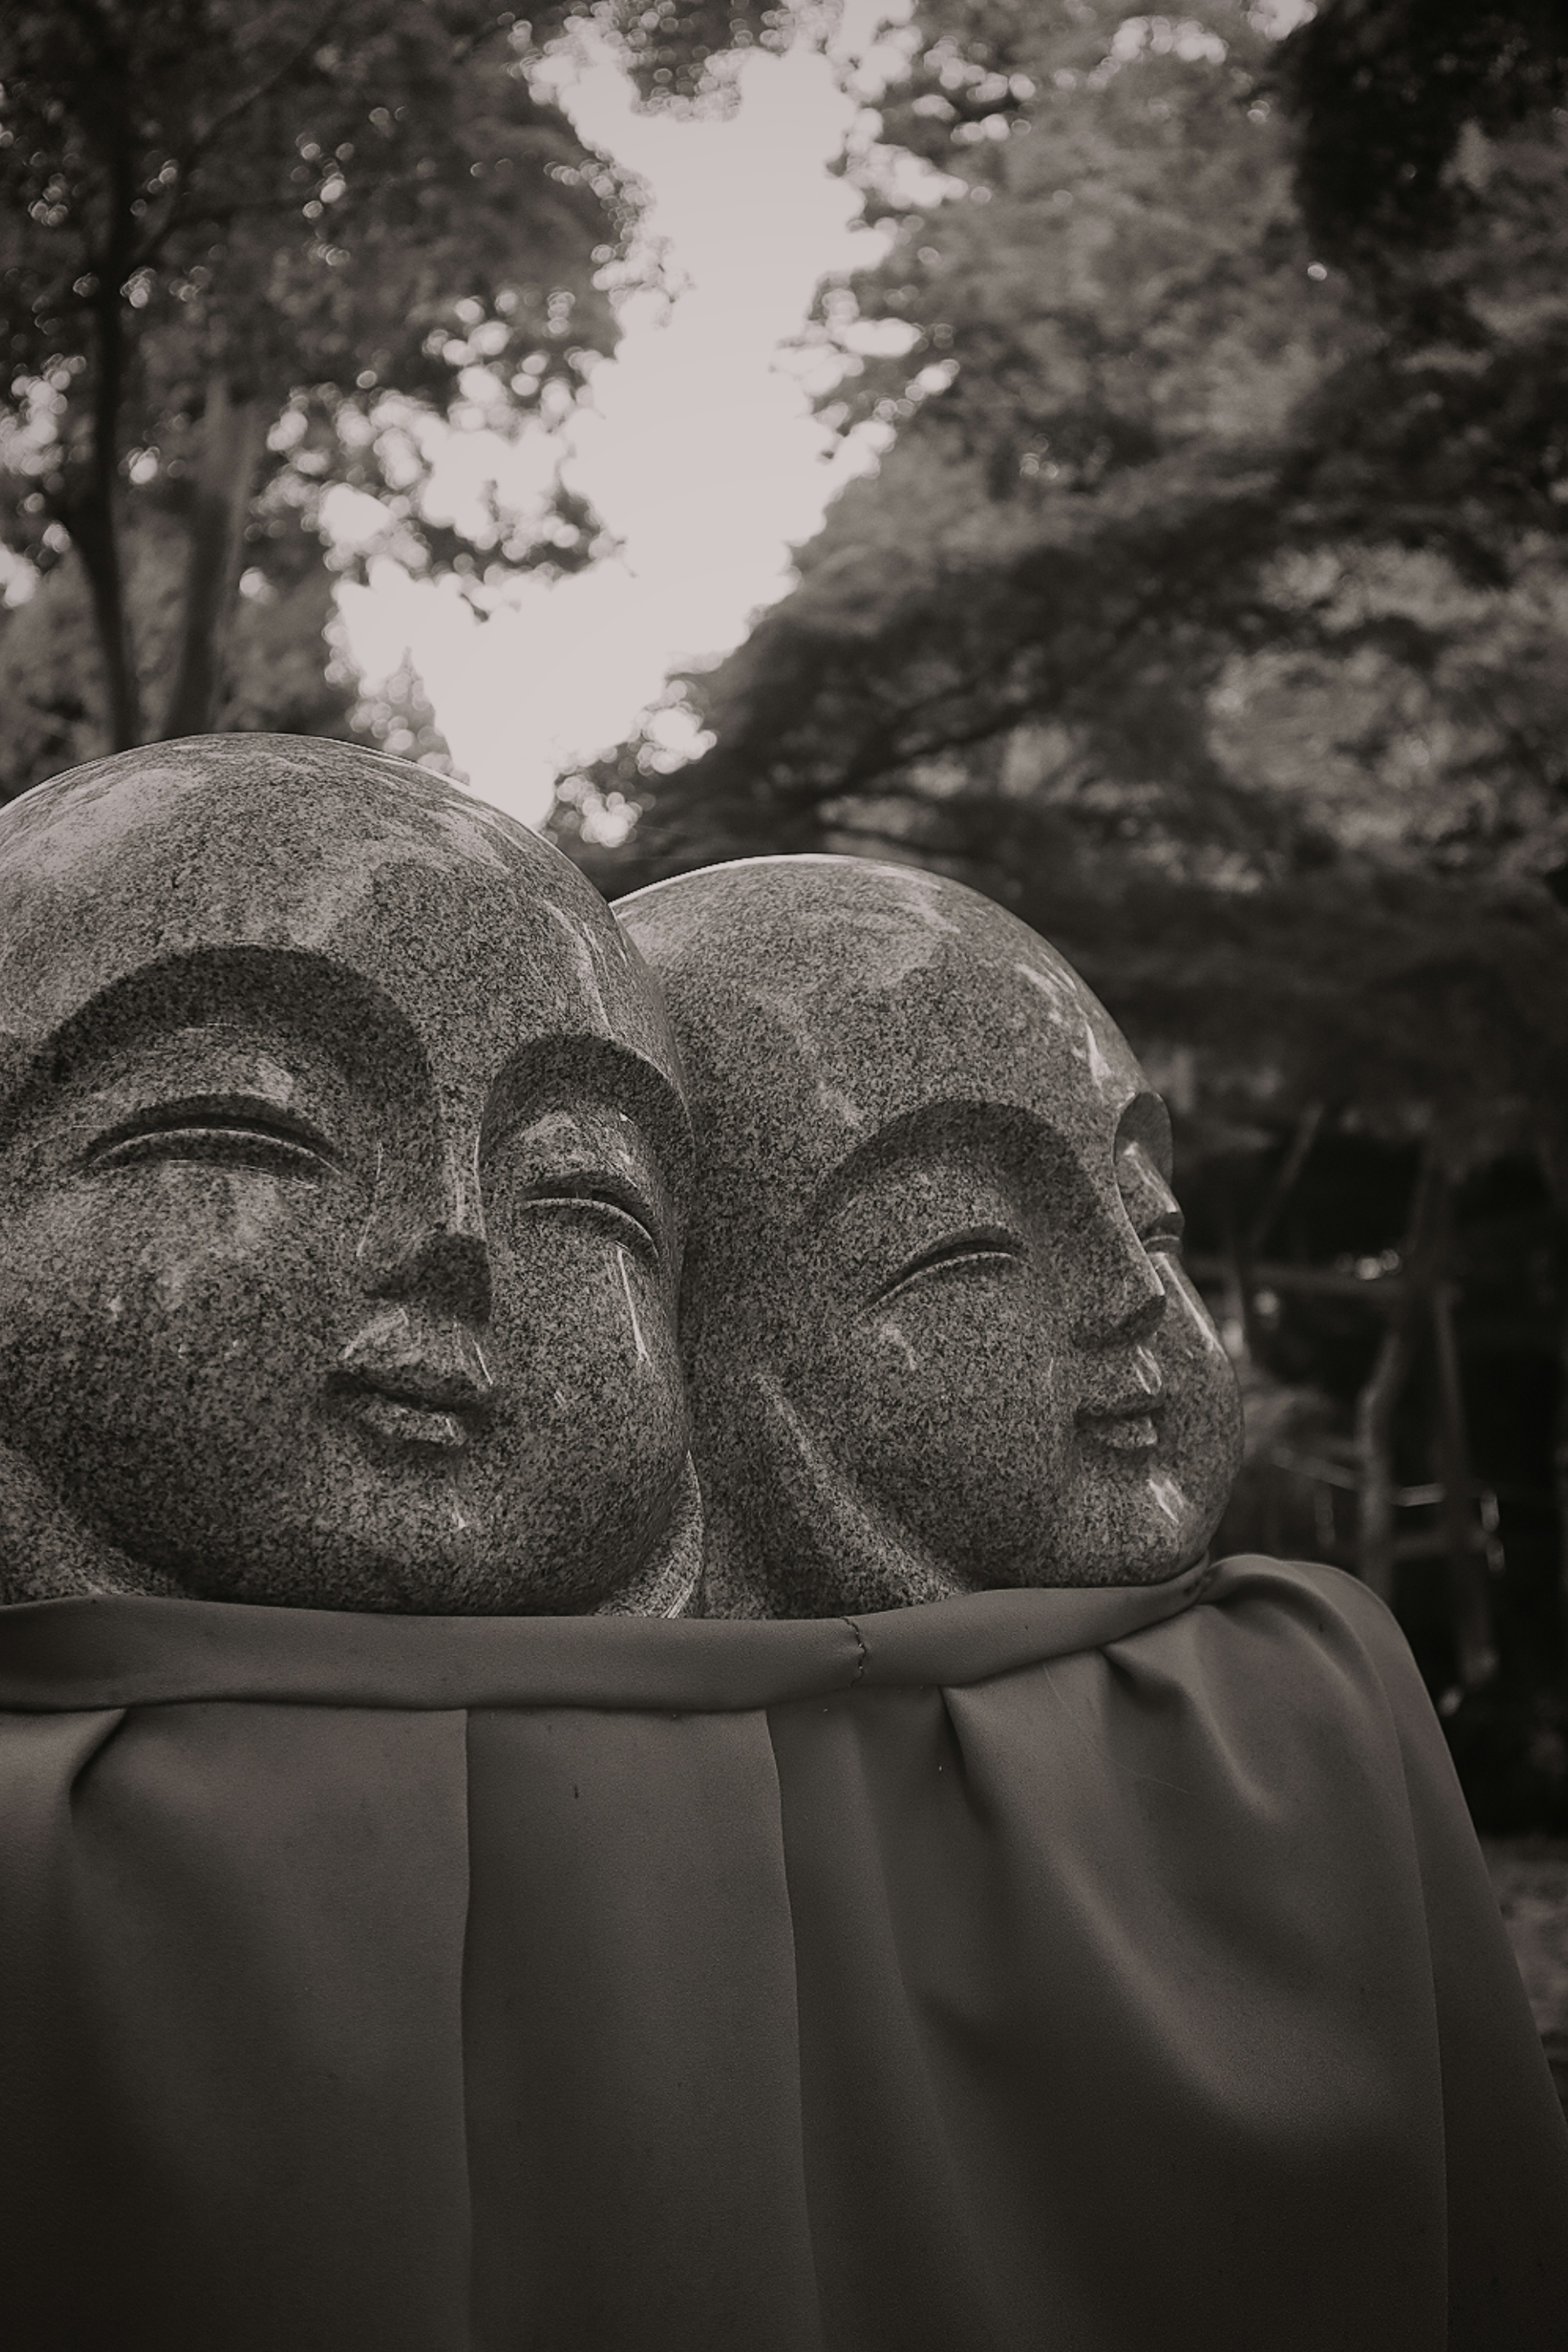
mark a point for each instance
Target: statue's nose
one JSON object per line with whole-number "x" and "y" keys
{"x": 1124, "y": 1298}
{"x": 445, "y": 1270}
{"x": 415, "y": 1351}
{"x": 426, "y": 1243}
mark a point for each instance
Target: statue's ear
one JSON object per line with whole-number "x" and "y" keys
{"x": 46, "y": 1554}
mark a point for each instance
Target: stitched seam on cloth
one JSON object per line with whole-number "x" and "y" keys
{"x": 860, "y": 1645}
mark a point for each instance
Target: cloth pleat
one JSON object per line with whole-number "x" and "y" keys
{"x": 1106, "y": 1971}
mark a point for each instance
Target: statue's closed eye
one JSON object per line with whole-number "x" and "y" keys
{"x": 614, "y": 1207}
{"x": 976, "y": 1245}
{"x": 1165, "y": 1233}
{"x": 585, "y": 1164}
{"x": 233, "y": 1133}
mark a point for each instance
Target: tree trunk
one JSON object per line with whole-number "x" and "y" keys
{"x": 1553, "y": 1151}
{"x": 91, "y": 521}
{"x": 1559, "y": 1481}
{"x": 1374, "y": 1450}
{"x": 1286, "y": 1178}
{"x": 1374, "y": 1406}
{"x": 1475, "y": 1650}
{"x": 91, "y": 513}
{"x": 232, "y": 436}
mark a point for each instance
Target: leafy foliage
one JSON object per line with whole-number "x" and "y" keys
{"x": 682, "y": 51}
{"x": 283, "y": 673}
{"x": 1207, "y": 604}
{"x": 249, "y": 253}
{"x": 1208, "y": 609}
{"x": 1387, "y": 94}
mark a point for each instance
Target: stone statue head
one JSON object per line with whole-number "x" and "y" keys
{"x": 343, "y": 1164}
{"x": 937, "y": 1332}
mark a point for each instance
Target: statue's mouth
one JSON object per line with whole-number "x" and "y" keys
{"x": 406, "y": 1422}
{"x": 439, "y": 1411}
{"x": 1132, "y": 1427}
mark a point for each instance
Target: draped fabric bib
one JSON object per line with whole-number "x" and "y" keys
{"x": 1106, "y": 1969}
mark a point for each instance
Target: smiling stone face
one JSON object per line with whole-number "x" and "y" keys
{"x": 342, "y": 1155}
{"x": 937, "y": 1329}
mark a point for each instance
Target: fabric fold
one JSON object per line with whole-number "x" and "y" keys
{"x": 231, "y": 2030}
{"x": 1105, "y": 1969}
{"x": 132, "y": 1650}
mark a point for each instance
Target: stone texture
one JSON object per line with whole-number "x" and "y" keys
{"x": 343, "y": 1163}
{"x": 937, "y": 1332}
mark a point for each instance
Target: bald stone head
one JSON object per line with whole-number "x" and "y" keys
{"x": 937, "y": 1330}
{"x": 342, "y": 1161}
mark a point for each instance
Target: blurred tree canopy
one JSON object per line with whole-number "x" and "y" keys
{"x": 1208, "y": 607}
{"x": 1208, "y": 603}
{"x": 249, "y": 252}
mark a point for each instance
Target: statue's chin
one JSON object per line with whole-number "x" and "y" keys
{"x": 1130, "y": 1545}
{"x": 507, "y": 1582}
{"x": 47, "y": 1553}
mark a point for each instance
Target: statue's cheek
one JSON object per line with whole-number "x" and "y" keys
{"x": 954, "y": 1407}
{"x": 178, "y": 1279}
{"x": 583, "y": 1337}
{"x": 1204, "y": 1438}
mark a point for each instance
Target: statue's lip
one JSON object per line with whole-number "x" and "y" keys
{"x": 410, "y": 1417}
{"x": 1130, "y": 1424}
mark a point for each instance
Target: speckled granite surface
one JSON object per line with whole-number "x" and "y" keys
{"x": 937, "y": 1332}
{"x": 342, "y": 1166}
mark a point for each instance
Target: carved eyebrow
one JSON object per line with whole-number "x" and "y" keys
{"x": 598, "y": 1137}
{"x": 213, "y": 1067}
{"x": 560, "y": 1073}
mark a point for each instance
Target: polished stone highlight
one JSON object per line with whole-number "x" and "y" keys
{"x": 343, "y": 1160}
{"x": 937, "y": 1332}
